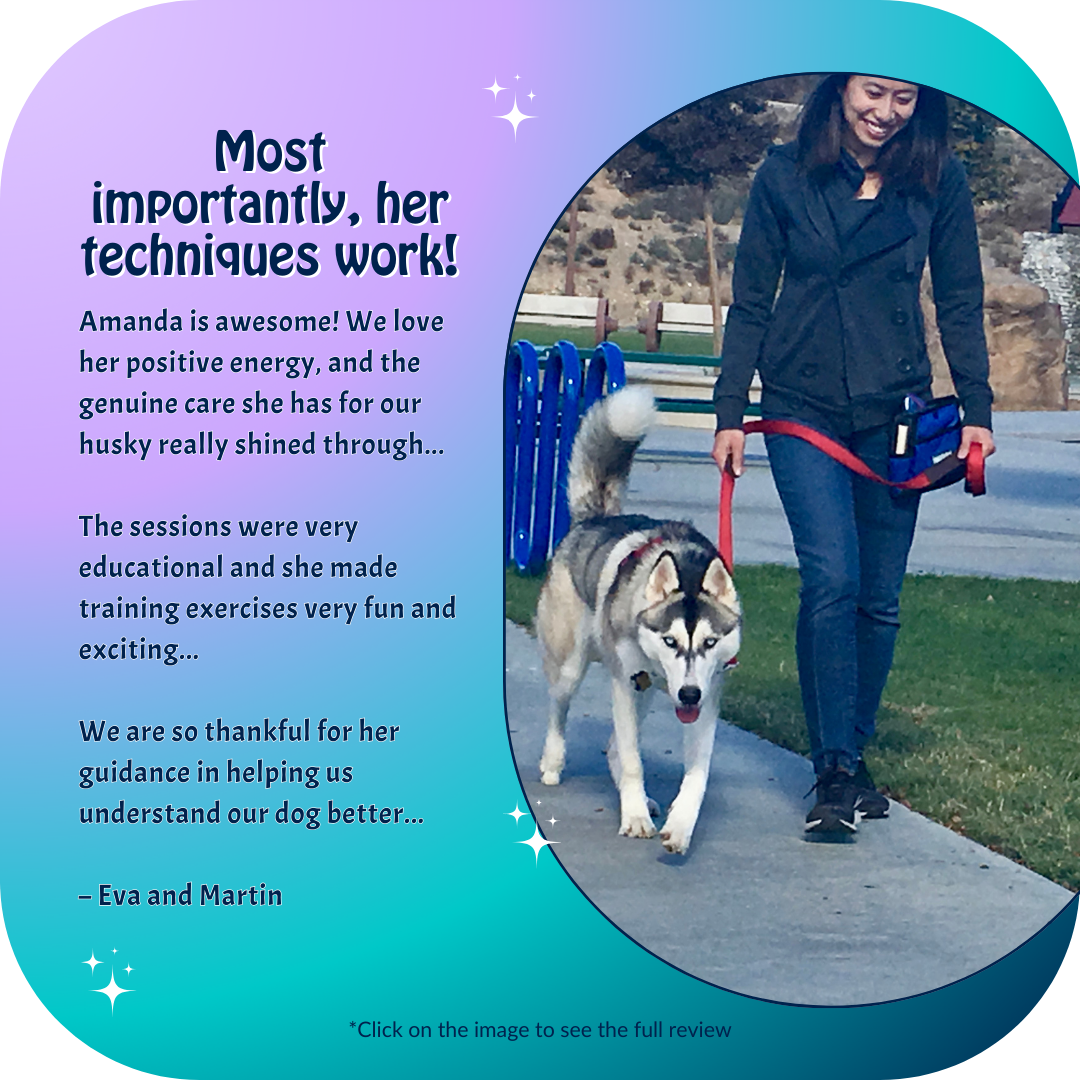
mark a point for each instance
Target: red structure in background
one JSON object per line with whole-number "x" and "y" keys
{"x": 1065, "y": 210}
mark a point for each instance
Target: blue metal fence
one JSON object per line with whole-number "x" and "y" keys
{"x": 540, "y": 425}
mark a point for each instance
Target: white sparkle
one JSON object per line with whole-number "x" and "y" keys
{"x": 495, "y": 88}
{"x": 112, "y": 991}
{"x": 93, "y": 961}
{"x": 517, "y": 76}
{"x": 129, "y": 969}
{"x": 551, "y": 820}
{"x": 515, "y": 116}
{"x": 114, "y": 952}
{"x": 516, "y": 814}
{"x": 537, "y": 843}
{"x": 530, "y": 95}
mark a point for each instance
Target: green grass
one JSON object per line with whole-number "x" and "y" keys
{"x": 980, "y": 725}
{"x": 629, "y": 340}
{"x": 522, "y": 591}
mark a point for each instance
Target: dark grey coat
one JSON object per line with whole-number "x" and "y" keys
{"x": 844, "y": 342}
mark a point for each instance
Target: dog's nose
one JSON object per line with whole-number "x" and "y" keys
{"x": 689, "y": 695}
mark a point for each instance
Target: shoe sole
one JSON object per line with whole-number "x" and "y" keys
{"x": 872, "y": 814}
{"x": 832, "y": 823}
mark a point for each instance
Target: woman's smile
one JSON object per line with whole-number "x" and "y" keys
{"x": 875, "y": 110}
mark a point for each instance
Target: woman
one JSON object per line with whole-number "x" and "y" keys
{"x": 849, "y": 214}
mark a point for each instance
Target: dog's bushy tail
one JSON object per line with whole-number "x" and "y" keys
{"x": 604, "y": 450}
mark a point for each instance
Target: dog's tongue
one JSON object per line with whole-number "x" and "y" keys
{"x": 687, "y": 713}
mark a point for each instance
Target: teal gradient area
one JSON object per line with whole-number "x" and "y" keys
{"x": 452, "y": 920}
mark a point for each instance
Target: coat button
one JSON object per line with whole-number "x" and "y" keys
{"x": 905, "y": 365}
{"x": 844, "y": 280}
{"x": 808, "y": 371}
{"x": 899, "y": 317}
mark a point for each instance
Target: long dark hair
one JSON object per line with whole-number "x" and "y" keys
{"x": 910, "y": 161}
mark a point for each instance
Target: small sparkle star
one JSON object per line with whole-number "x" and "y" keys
{"x": 537, "y": 843}
{"x": 93, "y": 961}
{"x": 516, "y": 814}
{"x": 551, "y": 820}
{"x": 517, "y": 76}
{"x": 495, "y": 88}
{"x": 515, "y": 117}
{"x": 114, "y": 952}
{"x": 112, "y": 991}
{"x": 530, "y": 95}
{"x": 129, "y": 969}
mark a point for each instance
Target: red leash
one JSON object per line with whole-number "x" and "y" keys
{"x": 974, "y": 483}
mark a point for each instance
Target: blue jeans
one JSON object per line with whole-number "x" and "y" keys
{"x": 852, "y": 538}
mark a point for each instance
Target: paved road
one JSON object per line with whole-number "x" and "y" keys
{"x": 1027, "y": 525}
{"x": 756, "y": 907}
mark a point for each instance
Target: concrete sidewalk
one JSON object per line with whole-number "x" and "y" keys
{"x": 755, "y": 906}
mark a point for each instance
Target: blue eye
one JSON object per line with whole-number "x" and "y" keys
{"x": 670, "y": 642}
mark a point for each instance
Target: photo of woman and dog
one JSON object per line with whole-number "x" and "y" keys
{"x": 839, "y": 299}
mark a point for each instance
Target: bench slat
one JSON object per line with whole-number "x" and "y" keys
{"x": 580, "y": 307}
{"x": 557, "y": 320}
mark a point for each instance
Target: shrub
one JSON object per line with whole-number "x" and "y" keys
{"x": 692, "y": 248}
{"x": 658, "y": 249}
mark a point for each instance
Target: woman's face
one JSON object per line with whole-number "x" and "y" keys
{"x": 876, "y": 109}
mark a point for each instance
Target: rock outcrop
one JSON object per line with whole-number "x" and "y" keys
{"x": 1026, "y": 340}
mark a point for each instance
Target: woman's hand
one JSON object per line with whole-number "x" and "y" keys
{"x": 968, "y": 434}
{"x": 728, "y": 449}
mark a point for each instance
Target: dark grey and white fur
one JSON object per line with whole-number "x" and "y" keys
{"x": 652, "y": 601}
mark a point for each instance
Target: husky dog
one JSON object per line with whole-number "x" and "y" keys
{"x": 649, "y": 599}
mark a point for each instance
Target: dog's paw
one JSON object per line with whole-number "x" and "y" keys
{"x": 676, "y": 834}
{"x": 638, "y": 826}
{"x": 552, "y": 759}
{"x": 675, "y": 841}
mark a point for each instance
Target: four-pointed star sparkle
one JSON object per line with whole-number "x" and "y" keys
{"x": 112, "y": 991}
{"x": 93, "y": 961}
{"x": 515, "y": 116}
{"x": 537, "y": 843}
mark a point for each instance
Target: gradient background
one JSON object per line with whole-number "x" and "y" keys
{"x": 450, "y": 921}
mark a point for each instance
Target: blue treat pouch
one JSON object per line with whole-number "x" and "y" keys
{"x": 925, "y": 438}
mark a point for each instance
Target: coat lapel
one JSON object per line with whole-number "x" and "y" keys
{"x": 887, "y": 226}
{"x": 817, "y": 210}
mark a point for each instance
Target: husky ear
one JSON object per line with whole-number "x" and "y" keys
{"x": 718, "y": 584}
{"x": 663, "y": 581}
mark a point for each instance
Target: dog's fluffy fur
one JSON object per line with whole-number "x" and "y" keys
{"x": 649, "y": 599}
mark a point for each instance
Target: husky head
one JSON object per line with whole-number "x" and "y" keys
{"x": 689, "y": 628}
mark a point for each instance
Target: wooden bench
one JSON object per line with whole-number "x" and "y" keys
{"x": 583, "y": 312}
{"x": 665, "y": 315}
{"x": 683, "y": 386}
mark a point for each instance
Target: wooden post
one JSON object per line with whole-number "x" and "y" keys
{"x": 714, "y": 274}
{"x": 571, "y": 248}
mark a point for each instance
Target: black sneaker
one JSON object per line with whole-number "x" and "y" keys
{"x": 835, "y": 808}
{"x": 869, "y": 802}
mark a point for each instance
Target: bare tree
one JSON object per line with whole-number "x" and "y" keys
{"x": 721, "y": 136}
